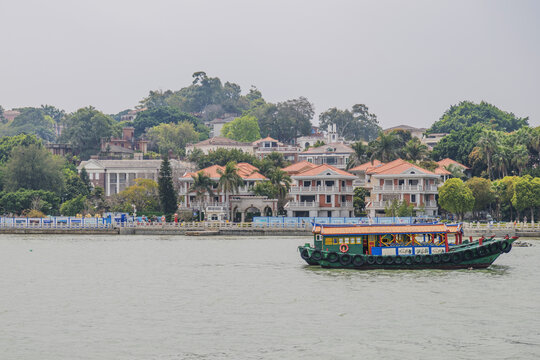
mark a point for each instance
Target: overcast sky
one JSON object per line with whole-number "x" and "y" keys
{"x": 408, "y": 61}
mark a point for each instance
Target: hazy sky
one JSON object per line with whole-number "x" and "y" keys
{"x": 407, "y": 61}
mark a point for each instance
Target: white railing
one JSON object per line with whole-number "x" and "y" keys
{"x": 519, "y": 226}
{"x": 405, "y": 188}
{"x": 302, "y": 204}
{"x": 320, "y": 189}
{"x": 210, "y": 225}
{"x": 383, "y": 204}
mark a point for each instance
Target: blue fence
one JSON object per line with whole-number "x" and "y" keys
{"x": 276, "y": 220}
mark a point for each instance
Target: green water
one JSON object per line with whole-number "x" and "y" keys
{"x": 164, "y": 297}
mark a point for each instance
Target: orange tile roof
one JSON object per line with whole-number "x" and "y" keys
{"x": 446, "y": 162}
{"x": 442, "y": 171}
{"x": 396, "y": 167}
{"x": 298, "y": 167}
{"x": 321, "y": 168}
{"x": 245, "y": 170}
{"x": 268, "y": 138}
{"x": 381, "y": 229}
{"x": 367, "y": 166}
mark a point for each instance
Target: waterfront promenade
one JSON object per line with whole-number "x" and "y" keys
{"x": 473, "y": 229}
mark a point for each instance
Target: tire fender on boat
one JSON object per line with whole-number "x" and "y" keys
{"x": 333, "y": 257}
{"x": 358, "y": 260}
{"x": 316, "y": 255}
{"x": 508, "y": 248}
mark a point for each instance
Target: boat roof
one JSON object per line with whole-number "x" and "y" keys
{"x": 382, "y": 229}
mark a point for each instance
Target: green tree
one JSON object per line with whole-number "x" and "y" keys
{"x": 34, "y": 168}
{"x": 33, "y": 121}
{"x": 458, "y": 144}
{"x": 229, "y": 182}
{"x": 245, "y": 129}
{"x": 166, "y": 115}
{"x": 526, "y": 194}
{"x": 74, "y": 206}
{"x": 144, "y": 195}
{"x": 23, "y": 199}
{"x": 359, "y": 201}
{"x": 488, "y": 145}
{"x": 384, "y": 148}
{"x": 202, "y": 184}
{"x": 8, "y": 143}
{"x": 265, "y": 188}
{"x": 87, "y": 185}
{"x": 84, "y": 130}
{"x": 482, "y": 191}
{"x": 467, "y": 114}
{"x": 415, "y": 150}
{"x": 455, "y": 197}
{"x": 282, "y": 183}
{"x": 221, "y": 157}
{"x": 167, "y": 194}
{"x": 175, "y": 137}
{"x": 285, "y": 121}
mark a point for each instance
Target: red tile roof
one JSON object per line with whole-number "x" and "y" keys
{"x": 298, "y": 167}
{"x": 446, "y": 162}
{"x": 245, "y": 170}
{"x": 322, "y": 168}
{"x": 441, "y": 171}
{"x": 396, "y": 167}
{"x": 268, "y": 138}
{"x": 367, "y": 166}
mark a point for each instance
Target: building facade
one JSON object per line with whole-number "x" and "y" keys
{"x": 401, "y": 181}
{"x": 124, "y": 146}
{"x": 219, "y": 142}
{"x": 335, "y": 154}
{"x": 322, "y": 191}
{"x": 115, "y": 176}
{"x": 239, "y": 206}
{"x": 268, "y": 145}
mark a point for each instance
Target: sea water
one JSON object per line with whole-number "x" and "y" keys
{"x": 174, "y": 297}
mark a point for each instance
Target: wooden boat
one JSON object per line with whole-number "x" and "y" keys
{"x": 417, "y": 246}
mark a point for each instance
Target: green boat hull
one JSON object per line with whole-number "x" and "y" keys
{"x": 466, "y": 256}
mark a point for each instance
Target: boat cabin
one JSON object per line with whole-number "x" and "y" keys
{"x": 416, "y": 239}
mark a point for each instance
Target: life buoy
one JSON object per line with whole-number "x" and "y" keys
{"x": 343, "y": 248}
{"x": 163, "y": 218}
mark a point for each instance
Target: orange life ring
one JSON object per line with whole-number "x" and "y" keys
{"x": 343, "y": 248}
{"x": 163, "y": 219}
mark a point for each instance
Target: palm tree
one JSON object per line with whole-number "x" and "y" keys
{"x": 360, "y": 155}
{"x": 282, "y": 183}
{"x": 229, "y": 182}
{"x": 520, "y": 157}
{"x": 488, "y": 144}
{"x": 385, "y": 148}
{"x": 456, "y": 171}
{"x": 202, "y": 184}
{"x": 501, "y": 160}
{"x": 415, "y": 150}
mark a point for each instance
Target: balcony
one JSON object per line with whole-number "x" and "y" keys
{"x": 383, "y": 204}
{"x": 320, "y": 189}
{"x": 406, "y": 188}
{"x": 316, "y": 204}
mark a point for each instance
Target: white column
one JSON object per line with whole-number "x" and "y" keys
{"x": 108, "y": 184}
{"x": 117, "y": 183}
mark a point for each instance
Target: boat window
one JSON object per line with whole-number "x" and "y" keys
{"x": 346, "y": 240}
{"x": 328, "y": 241}
{"x": 335, "y": 240}
{"x": 341, "y": 240}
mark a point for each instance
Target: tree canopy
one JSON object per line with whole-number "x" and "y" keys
{"x": 356, "y": 124}
{"x": 33, "y": 121}
{"x": 166, "y": 115}
{"x": 85, "y": 128}
{"x": 467, "y": 114}
{"x": 34, "y": 168}
{"x": 455, "y": 197}
{"x": 245, "y": 129}
{"x": 175, "y": 137}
